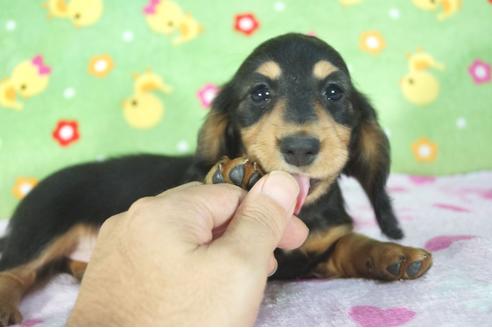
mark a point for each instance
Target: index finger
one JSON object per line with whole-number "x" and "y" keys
{"x": 201, "y": 207}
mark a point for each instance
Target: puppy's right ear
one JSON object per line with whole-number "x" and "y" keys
{"x": 369, "y": 163}
{"x": 218, "y": 137}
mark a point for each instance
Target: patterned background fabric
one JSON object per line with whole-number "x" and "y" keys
{"x": 84, "y": 80}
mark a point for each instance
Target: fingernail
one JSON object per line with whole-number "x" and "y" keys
{"x": 282, "y": 188}
{"x": 275, "y": 267}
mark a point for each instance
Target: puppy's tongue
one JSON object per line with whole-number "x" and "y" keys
{"x": 304, "y": 184}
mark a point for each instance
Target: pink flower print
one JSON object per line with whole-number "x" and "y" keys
{"x": 207, "y": 94}
{"x": 480, "y": 71}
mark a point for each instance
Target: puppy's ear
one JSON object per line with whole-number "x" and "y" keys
{"x": 369, "y": 163}
{"x": 218, "y": 136}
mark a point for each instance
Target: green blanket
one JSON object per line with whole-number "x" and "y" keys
{"x": 83, "y": 80}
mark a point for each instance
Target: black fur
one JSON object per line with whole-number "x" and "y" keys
{"x": 374, "y": 183}
{"x": 87, "y": 193}
{"x": 90, "y": 193}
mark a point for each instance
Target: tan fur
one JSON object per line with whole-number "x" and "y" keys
{"x": 357, "y": 255}
{"x": 318, "y": 242}
{"x": 322, "y": 69}
{"x": 370, "y": 140}
{"x": 371, "y": 137}
{"x": 345, "y": 259}
{"x": 212, "y": 136}
{"x": 76, "y": 268}
{"x": 270, "y": 69}
{"x": 15, "y": 282}
{"x": 261, "y": 142}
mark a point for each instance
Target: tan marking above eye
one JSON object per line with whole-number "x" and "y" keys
{"x": 322, "y": 69}
{"x": 270, "y": 69}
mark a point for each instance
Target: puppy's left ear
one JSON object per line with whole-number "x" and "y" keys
{"x": 218, "y": 136}
{"x": 369, "y": 163}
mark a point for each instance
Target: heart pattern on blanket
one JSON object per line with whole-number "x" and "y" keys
{"x": 422, "y": 180}
{"x": 373, "y": 316}
{"x": 31, "y": 322}
{"x": 442, "y": 242}
{"x": 450, "y": 207}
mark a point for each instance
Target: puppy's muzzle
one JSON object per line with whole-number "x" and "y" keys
{"x": 299, "y": 150}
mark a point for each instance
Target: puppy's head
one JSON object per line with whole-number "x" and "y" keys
{"x": 292, "y": 106}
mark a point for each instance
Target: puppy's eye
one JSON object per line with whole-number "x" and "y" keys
{"x": 260, "y": 93}
{"x": 333, "y": 92}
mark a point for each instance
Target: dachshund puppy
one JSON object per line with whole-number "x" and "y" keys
{"x": 291, "y": 106}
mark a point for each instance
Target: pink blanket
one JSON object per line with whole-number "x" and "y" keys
{"x": 451, "y": 216}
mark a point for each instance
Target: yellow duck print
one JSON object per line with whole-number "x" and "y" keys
{"x": 166, "y": 17}
{"x": 148, "y": 82}
{"x": 79, "y": 12}
{"x": 419, "y": 86}
{"x": 28, "y": 79}
{"x": 144, "y": 110}
{"x": 449, "y": 7}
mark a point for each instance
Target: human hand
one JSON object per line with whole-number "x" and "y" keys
{"x": 193, "y": 255}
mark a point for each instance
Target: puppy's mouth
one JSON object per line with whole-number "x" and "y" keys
{"x": 306, "y": 186}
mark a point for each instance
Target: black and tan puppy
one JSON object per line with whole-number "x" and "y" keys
{"x": 291, "y": 106}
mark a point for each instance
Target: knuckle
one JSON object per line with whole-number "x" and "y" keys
{"x": 107, "y": 226}
{"x": 140, "y": 206}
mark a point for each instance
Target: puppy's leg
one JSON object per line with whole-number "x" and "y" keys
{"x": 13, "y": 284}
{"x": 358, "y": 256}
{"x": 238, "y": 171}
{"x": 16, "y": 281}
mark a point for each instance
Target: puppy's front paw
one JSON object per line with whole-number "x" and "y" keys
{"x": 389, "y": 261}
{"x": 239, "y": 171}
{"x": 9, "y": 314}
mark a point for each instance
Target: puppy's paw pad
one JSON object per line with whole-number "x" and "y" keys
{"x": 255, "y": 176}
{"x": 238, "y": 171}
{"x": 395, "y": 261}
{"x": 414, "y": 268}
{"x": 217, "y": 176}
{"x": 394, "y": 268}
{"x": 236, "y": 175}
{"x": 418, "y": 264}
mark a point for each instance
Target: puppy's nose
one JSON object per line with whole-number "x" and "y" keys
{"x": 299, "y": 150}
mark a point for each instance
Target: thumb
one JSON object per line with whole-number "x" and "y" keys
{"x": 260, "y": 221}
